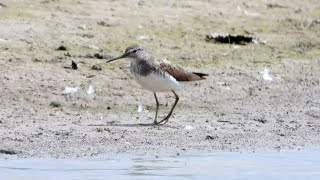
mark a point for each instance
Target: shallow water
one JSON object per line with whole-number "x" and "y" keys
{"x": 220, "y": 165}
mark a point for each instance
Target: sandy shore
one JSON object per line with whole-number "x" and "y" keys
{"x": 234, "y": 109}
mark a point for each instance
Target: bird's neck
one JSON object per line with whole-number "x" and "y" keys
{"x": 140, "y": 57}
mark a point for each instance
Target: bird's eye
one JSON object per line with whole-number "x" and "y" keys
{"x": 134, "y": 51}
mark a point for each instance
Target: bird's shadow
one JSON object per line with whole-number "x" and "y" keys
{"x": 133, "y": 125}
{"x": 124, "y": 125}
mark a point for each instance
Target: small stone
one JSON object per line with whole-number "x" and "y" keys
{"x": 95, "y": 67}
{"x": 261, "y": 120}
{"x": 102, "y": 23}
{"x": 99, "y": 130}
{"x": 102, "y": 56}
{"x": 67, "y": 54}
{"x": 210, "y": 137}
{"x": 36, "y": 60}
{"x": 61, "y": 48}
{"x": 74, "y": 65}
{"x": 55, "y": 104}
{"x": 91, "y": 46}
{"x": 10, "y": 152}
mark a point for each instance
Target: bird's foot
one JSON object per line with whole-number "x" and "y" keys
{"x": 162, "y": 122}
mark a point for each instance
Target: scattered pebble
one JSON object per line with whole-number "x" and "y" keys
{"x": 270, "y": 5}
{"x": 265, "y": 75}
{"x": 36, "y": 60}
{"x": 3, "y": 40}
{"x": 61, "y": 48}
{"x": 95, "y": 55}
{"x": 128, "y": 143}
{"x": 97, "y": 68}
{"x": 140, "y": 109}
{"x": 67, "y": 54}
{"x": 261, "y": 120}
{"x": 91, "y": 91}
{"x": 188, "y": 127}
{"x": 70, "y": 90}
{"x": 100, "y": 129}
{"x": 82, "y": 27}
{"x": 143, "y": 37}
{"x": 210, "y": 137}
{"x": 10, "y": 152}
{"x": 221, "y": 83}
{"x": 102, "y": 56}
{"x": 103, "y": 23}
{"x": 74, "y": 65}
{"x": 55, "y": 104}
{"x": 92, "y": 47}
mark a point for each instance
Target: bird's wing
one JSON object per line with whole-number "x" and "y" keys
{"x": 179, "y": 73}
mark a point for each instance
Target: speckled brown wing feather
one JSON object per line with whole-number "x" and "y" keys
{"x": 179, "y": 73}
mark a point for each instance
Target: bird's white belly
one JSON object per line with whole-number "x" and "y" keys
{"x": 157, "y": 83}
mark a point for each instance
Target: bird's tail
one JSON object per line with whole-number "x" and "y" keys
{"x": 201, "y": 75}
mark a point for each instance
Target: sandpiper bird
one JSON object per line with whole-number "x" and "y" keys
{"x": 157, "y": 75}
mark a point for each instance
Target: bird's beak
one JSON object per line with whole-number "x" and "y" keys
{"x": 120, "y": 57}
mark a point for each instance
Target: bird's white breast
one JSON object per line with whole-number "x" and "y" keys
{"x": 157, "y": 82}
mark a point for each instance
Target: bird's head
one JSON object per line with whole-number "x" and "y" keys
{"x": 130, "y": 52}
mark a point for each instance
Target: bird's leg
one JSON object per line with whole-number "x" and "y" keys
{"x": 157, "y": 108}
{"x": 165, "y": 120}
